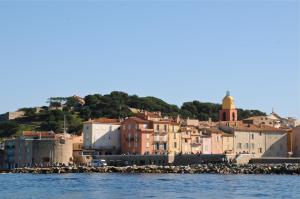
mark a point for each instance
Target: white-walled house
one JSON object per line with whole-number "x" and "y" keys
{"x": 102, "y": 136}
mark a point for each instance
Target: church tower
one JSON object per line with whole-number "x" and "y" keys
{"x": 228, "y": 112}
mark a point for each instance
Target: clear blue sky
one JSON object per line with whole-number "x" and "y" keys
{"x": 179, "y": 51}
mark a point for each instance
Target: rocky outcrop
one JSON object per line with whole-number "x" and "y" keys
{"x": 291, "y": 169}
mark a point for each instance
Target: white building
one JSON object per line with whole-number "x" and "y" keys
{"x": 102, "y": 136}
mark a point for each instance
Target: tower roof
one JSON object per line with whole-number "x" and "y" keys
{"x": 228, "y": 102}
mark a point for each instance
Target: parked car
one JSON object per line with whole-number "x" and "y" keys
{"x": 99, "y": 163}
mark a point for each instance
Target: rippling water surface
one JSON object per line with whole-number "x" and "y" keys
{"x": 89, "y": 186}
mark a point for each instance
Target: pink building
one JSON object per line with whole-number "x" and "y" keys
{"x": 136, "y": 136}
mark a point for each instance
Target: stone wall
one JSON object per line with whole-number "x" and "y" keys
{"x": 121, "y": 160}
{"x": 55, "y": 151}
{"x": 274, "y": 160}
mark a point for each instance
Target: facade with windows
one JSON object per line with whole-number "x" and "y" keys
{"x": 174, "y": 135}
{"x": 262, "y": 141}
{"x": 136, "y": 137}
{"x": 38, "y": 148}
{"x": 102, "y": 136}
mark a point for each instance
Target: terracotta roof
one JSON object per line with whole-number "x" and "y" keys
{"x": 42, "y": 134}
{"x": 103, "y": 121}
{"x": 165, "y": 121}
{"x": 240, "y": 126}
{"x": 136, "y": 119}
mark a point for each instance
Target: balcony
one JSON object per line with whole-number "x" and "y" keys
{"x": 160, "y": 132}
{"x": 160, "y": 139}
{"x": 196, "y": 143}
{"x": 185, "y": 136}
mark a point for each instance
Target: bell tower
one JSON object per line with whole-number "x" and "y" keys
{"x": 228, "y": 111}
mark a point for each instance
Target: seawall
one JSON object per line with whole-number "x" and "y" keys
{"x": 224, "y": 169}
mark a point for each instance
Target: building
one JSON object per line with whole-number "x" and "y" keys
{"x": 228, "y": 143}
{"x": 228, "y": 111}
{"x": 216, "y": 143}
{"x": 206, "y": 144}
{"x": 11, "y": 115}
{"x": 38, "y": 148}
{"x": 250, "y": 137}
{"x": 150, "y": 133}
{"x": 174, "y": 135}
{"x": 196, "y": 142}
{"x": 160, "y": 136}
{"x": 296, "y": 141}
{"x": 2, "y": 159}
{"x": 273, "y": 120}
{"x": 137, "y": 136}
{"x": 102, "y": 136}
{"x": 186, "y": 140}
{"x": 263, "y": 141}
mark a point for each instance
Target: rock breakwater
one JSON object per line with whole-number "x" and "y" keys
{"x": 225, "y": 169}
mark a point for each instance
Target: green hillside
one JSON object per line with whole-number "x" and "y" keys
{"x": 114, "y": 105}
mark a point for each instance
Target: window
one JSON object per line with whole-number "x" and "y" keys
{"x": 165, "y": 127}
{"x": 124, "y": 127}
{"x": 252, "y": 145}
{"x": 239, "y": 145}
{"x": 157, "y": 146}
{"x": 259, "y": 133}
{"x": 157, "y": 127}
{"x": 197, "y": 139}
{"x": 165, "y": 146}
{"x": 174, "y": 135}
{"x": 110, "y": 128}
{"x": 260, "y": 150}
{"x": 233, "y": 116}
{"x": 147, "y": 144}
{"x": 173, "y": 128}
{"x": 246, "y": 145}
{"x": 135, "y": 145}
{"x": 147, "y": 136}
{"x": 224, "y": 116}
{"x": 175, "y": 145}
{"x": 252, "y": 136}
{"x": 185, "y": 140}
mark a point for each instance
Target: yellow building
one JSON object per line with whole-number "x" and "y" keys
{"x": 228, "y": 143}
{"x": 174, "y": 135}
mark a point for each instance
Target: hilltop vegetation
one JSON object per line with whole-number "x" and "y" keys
{"x": 113, "y": 105}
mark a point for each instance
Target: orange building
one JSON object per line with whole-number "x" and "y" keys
{"x": 136, "y": 136}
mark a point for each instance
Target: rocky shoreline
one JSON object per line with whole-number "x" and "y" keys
{"x": 224, "y": 169}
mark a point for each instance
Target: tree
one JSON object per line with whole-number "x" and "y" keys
{"x": 8, "y": 128}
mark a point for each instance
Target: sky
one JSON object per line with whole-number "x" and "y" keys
{"x": 175, "y": 50}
